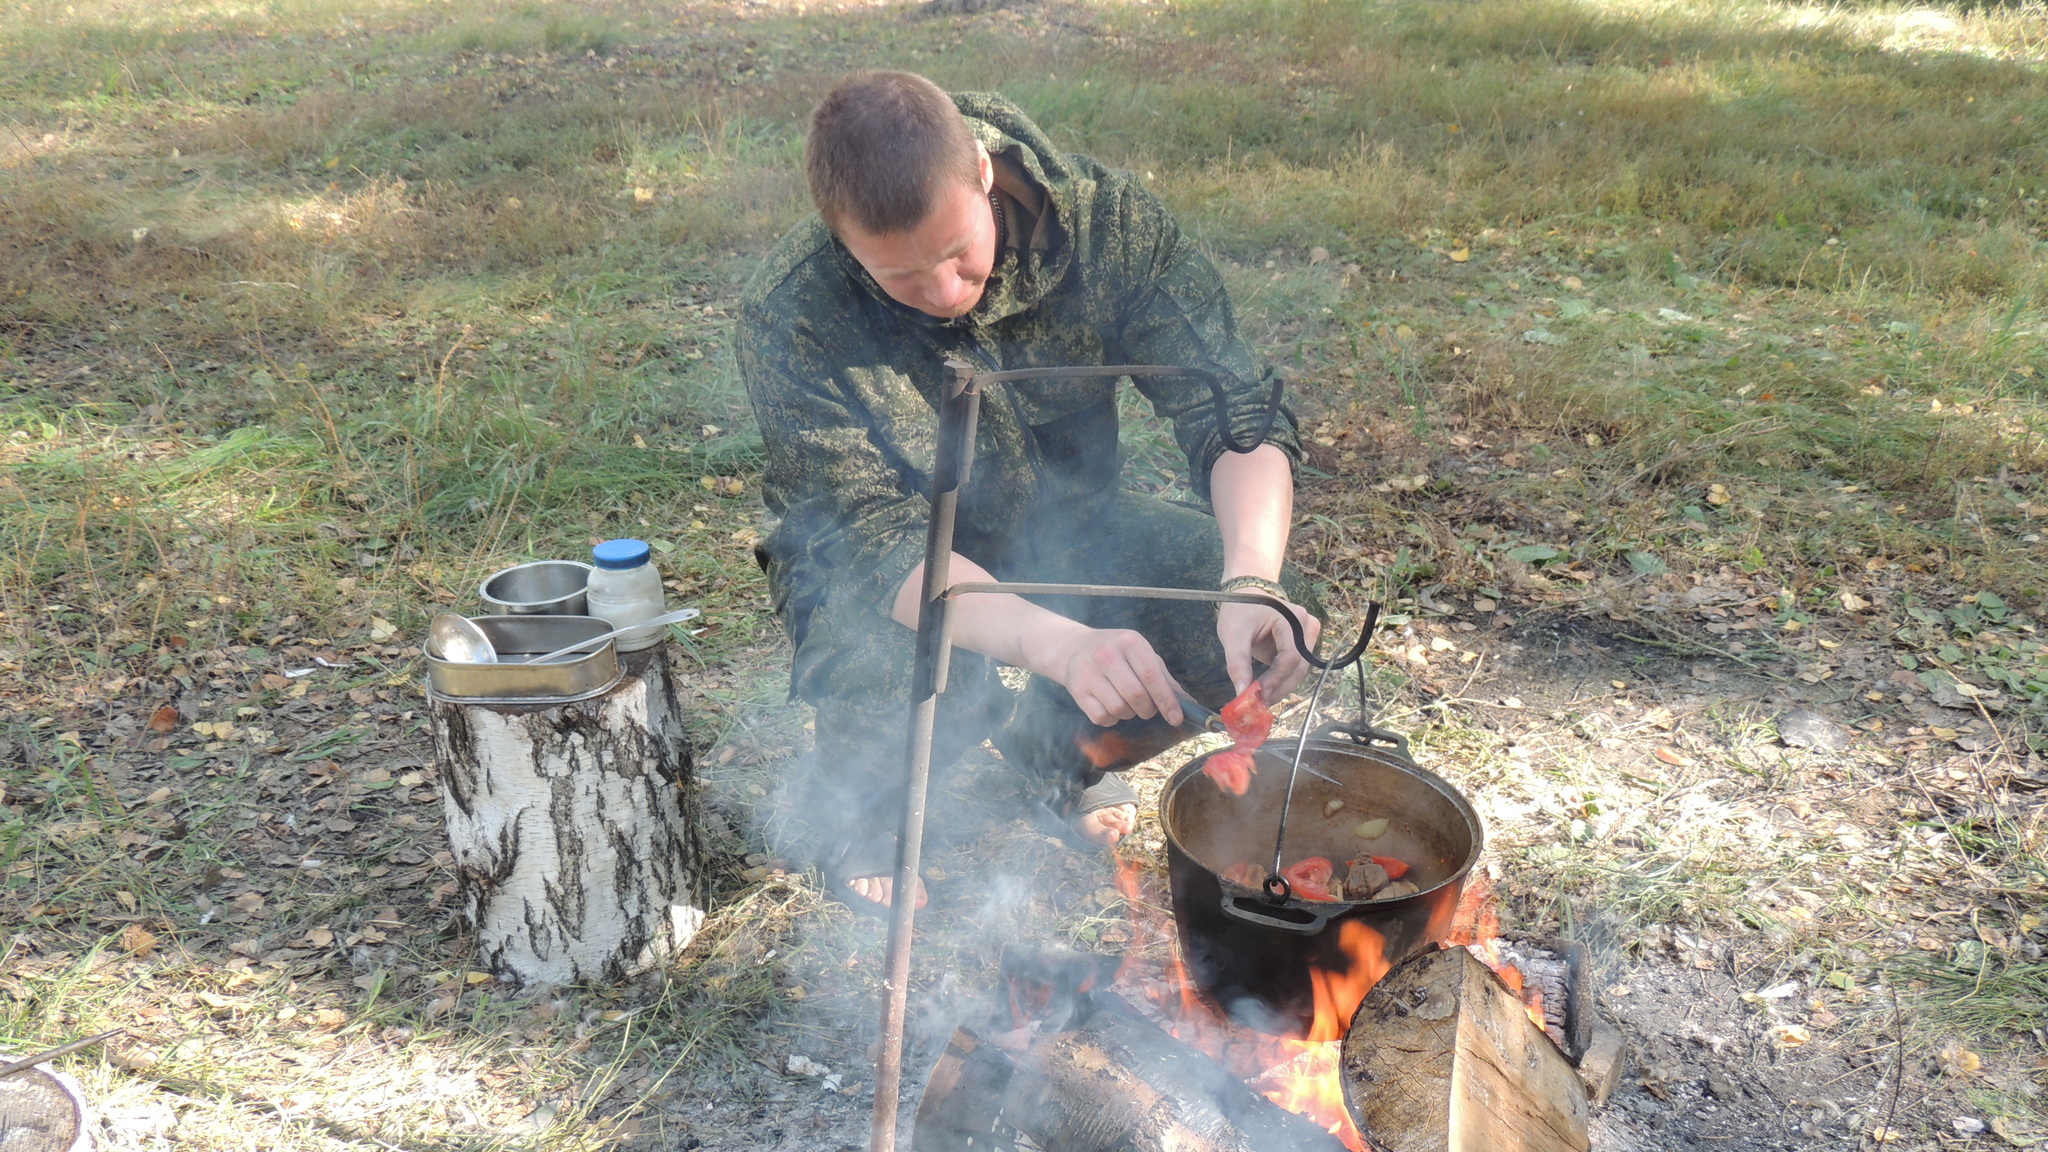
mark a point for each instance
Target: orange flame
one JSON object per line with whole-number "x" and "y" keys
{"x": 1338, "y": 994}
{"x": 1298, "y": 1075}
{"x": 1477, "y": 926}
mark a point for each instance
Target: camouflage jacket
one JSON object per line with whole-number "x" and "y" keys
{"x": 844, "y": 381}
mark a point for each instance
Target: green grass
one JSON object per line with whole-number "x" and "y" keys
{"x": 314, "y": 314}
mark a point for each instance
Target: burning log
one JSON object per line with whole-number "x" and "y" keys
{"x": 574, "y": 829}
{"x": 1443, "y": 1057}
{"x": 1110, "y": 1082}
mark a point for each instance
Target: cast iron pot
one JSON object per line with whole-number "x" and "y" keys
{"x": 1251, "y": 952}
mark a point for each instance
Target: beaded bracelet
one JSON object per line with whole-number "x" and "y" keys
{"x": 1259, "y": 583}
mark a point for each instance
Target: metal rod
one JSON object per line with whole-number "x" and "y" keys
{"x": 1018, "y": 588}
{"x": 1216, "y": 392}
{"x": 7, "y": 1070}
{"x": 1287, "y": 804}
{"x": 958, "y": 411}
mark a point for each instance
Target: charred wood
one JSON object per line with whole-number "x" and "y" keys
{"x": 1110, "y": 1082}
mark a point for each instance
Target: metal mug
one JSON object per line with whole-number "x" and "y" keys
{"x": 539, "y": 588}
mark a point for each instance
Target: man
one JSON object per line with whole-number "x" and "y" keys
{"x": 951, "y": 227}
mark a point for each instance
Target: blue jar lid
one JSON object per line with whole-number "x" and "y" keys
{"x": 618, "y": 555}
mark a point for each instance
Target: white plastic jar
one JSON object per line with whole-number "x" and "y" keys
{"x": 626, "y": 589}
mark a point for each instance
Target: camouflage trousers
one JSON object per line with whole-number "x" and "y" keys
{"x": 853, "y": 664}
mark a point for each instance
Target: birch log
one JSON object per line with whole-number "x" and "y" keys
{"x": 574, "y": 829}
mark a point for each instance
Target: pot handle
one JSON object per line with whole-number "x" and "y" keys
{"x": 1256, "y": 911}
{"x": 1367, "y": 735}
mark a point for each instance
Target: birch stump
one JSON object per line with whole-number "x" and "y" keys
{"x": 575, "y": 829}
{"x": 42, "y": 1110}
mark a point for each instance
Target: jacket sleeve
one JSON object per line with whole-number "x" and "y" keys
{"x": 1177, "y": 311}
{"x": 848, "y": 509}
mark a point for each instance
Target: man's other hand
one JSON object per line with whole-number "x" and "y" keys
{"x": 1255, "y": 632}
{"x": 1112, "y": 673}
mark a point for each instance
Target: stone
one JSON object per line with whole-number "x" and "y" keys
{"x": 1805, "y": 728}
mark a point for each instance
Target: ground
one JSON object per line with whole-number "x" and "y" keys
{"x": 1671, "y": 372}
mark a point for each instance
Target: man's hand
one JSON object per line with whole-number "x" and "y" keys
{"x": 1255, "y": 632}
{"x": 1112, "y": 673}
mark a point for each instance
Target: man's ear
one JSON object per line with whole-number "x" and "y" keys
{"x": 986, "y": 166}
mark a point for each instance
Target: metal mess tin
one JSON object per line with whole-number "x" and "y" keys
{"x": 539, "y": 588}
{"x": 515, "y": 681}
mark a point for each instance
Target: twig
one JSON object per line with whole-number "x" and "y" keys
{"x": 1898, "y": 1062}
{"x": 1691, "y": 648}
{"x": 7, "y": 1070}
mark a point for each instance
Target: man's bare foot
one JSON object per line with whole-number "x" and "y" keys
{"x": 1107, "y": 826}
{"x": 880, "y": 890}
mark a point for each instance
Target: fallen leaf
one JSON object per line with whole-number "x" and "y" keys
{"x": 381, "y": 629}
{"x": 1958, "y": 1061}
{"x": 164, "y": 719}
{"x": 1718, "y": 494}
{"x": 319, "y": 938}
{"x": 329, "y": 1018}
{"x": 1674, "y": 757}
{"x": 1851, "y": 602}
{"x": 138, "y": 941}
{"x": 1790, "y": 1035}
{"x": 1460, "y": 255}
{"x": 2009, "y": 1130}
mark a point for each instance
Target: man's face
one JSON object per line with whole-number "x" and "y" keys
{"x": 940, "y": 266}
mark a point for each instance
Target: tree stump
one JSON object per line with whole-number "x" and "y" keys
{"x": 42, "y": 1110}
{"x": 574, "y": 828}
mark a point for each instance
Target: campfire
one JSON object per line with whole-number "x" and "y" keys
{"x": 1075, "y": 1060}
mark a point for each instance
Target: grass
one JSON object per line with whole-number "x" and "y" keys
{"x": 311, "y": 315}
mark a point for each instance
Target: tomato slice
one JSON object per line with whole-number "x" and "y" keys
{"x": 1309, "y": 878}
{"x": 1245, "y": 874}
{"x": 1231, "y": 769}
{"x": 1247, "y": 718}
{"x": 1395, "y": 868}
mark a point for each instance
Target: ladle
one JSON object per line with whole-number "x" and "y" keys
{"x": 460, "y": 641}
{"x": 666, "y": 618}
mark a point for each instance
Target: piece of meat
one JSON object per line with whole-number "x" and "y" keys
{"x": 1231, "y": 769}
{"x": 1309, "y": 878}
{"x": 1395, "y": 868}
{"x": 1397, "y": 889}
{"x": 1363, "y": 879}
{"x": 1247, "y": 718}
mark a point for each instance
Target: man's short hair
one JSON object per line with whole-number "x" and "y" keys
{"x": 881, "y": 146}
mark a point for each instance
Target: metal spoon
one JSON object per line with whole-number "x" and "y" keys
{"x": 460, "y": 641}
{"x": 675, "y": 617}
